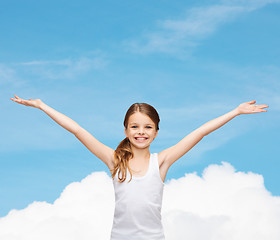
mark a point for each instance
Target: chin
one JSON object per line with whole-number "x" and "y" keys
{"x": 141, "y": 146}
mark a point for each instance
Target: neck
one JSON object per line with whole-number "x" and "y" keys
{"x": 141, "y": 153}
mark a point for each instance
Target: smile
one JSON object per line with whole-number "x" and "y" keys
{"x": 140, "y": 139}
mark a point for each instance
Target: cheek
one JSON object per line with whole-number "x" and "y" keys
{"x": 130, "y": 132}
{"x": 152, "y": 133}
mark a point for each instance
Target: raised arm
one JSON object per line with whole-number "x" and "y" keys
{"x": 103, "y": 152}
{"x": 170, "y": 155}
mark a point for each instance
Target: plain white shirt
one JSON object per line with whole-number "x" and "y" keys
{"x": 138, "y": 203}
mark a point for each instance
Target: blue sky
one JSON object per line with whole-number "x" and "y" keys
{"x": 91, "y": 60}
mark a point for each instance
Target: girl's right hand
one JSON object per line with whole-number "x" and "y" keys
{"x": 29, "y": 103}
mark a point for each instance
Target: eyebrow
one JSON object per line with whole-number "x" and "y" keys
{"x": 137, "y": 123}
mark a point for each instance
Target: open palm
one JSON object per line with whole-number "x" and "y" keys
{"x": 29, "y": 103}
{"x": 248, "y": 107}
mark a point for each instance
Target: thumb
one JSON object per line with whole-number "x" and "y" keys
{"x": 253, "y": 101}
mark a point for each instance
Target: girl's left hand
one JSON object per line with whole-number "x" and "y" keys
{"x": 247, "y": 108}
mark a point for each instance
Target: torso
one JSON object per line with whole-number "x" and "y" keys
{"x": 141, "y": 168}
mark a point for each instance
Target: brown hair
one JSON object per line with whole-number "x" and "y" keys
{"x": 124, "y": 153}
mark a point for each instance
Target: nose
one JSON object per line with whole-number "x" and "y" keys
{"x": 141, "y": 130}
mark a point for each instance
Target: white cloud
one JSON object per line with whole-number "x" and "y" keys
{"x": 175, "y": 36}
{"x": 249, "y": 4}
{"x": 8, "y": 77}
{"x": 65, "y": 62}
{"x": 64, "y": 68}
{"x": 222, "y": 204}
{"x": 83, "y": 211}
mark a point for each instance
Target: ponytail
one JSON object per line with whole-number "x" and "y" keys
{"x": 122, "y": 155}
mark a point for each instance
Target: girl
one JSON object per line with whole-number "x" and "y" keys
{"x": 138, "y": 176}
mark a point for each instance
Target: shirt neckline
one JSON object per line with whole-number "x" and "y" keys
{"x": 141, "y": 177}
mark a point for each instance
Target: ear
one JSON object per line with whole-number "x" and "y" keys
{"x": 125, "y": 132}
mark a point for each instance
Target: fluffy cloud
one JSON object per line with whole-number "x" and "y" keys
{"x": 84, "y": 210}
{"x": 174, "y": 36}
{"x": 221, "y": 204}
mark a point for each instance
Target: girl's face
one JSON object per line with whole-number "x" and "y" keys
{"x": 141, "y": 130}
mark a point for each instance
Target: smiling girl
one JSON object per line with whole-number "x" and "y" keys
{"x": 138, "y": 175}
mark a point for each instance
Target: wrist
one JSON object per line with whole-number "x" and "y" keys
{"x": 236, "y": 111}
{"x": 42, "y": 106}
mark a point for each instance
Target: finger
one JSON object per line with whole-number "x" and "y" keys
{"x": 263, "y": 106}
{"x": 18, "y": 98}
{"x": 15, "y": 100}
{"x": 261, "y": 110}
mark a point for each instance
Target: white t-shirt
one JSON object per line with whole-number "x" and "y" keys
{"x": 138, "y": 205}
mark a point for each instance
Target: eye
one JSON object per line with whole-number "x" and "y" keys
{"x": 133, "y": 126}
{"x": 148, "y": 127}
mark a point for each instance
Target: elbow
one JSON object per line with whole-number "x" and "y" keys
{"x": 202, "y": 133}
{"x": 77, "y": 130}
